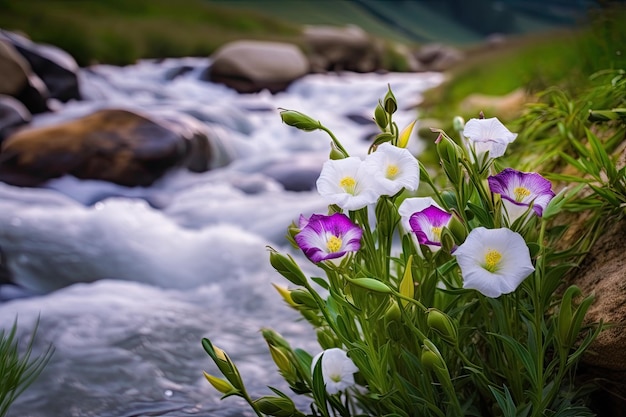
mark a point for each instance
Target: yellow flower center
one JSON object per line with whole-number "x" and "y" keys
{"x": 348, "y": 184}
{"x": 492, "y": 259}
{"x": 334, "y": 244}
{"x": 335, "y": 377}
{"x": 437, "y": 232}
{"x": 521, "y": 193}
{"x": 392, "y": 171}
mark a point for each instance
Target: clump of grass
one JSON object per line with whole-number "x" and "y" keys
{"x": 17, "y": 369}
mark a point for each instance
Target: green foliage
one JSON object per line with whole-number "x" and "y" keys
{"x": 17, "y": 369}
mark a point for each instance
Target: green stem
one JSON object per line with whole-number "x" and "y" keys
{"x": 335, "y": 140}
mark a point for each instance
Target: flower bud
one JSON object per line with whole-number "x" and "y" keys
{"x": 380, "y": 117}
{"x": 303, "y": 298}
{"x": 299, "y": 120}
{"x": 220, "y": 384}
{"x": 287, "y": 267}
{"x": 407, "y": 286}
{"x": 326, "y": 339}
{"x": 442, "y": 325}
{"x": 282, "y": 362}
{"x": 336, "y": 153}
{"x": 405, "y": 135}
{"x": 391, "y": 105}
{"x": 285, "y": 293}
{"x": 450, "y": 154}
{"x": 432, "y": 359}
{"x": 392, "y": 313}
{"x": 457, "y": 229}
{"x": 371, "y": 284}
{"x": 276, "y": 406}
{"x": 458, "y": 123}
{"x": 447, "y": 240}
{"x": 274, "y": 339}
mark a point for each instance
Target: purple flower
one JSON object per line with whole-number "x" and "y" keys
{"x": 428, "y": 224}
{"x": 328, "y": 237}
{"x": 521, "y": 189}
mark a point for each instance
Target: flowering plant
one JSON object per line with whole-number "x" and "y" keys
{"x": 449, "y": 304}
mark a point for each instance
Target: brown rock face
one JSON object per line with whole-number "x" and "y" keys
{"x": 111, "y": 145}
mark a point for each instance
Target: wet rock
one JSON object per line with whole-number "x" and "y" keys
{"x": 251, "y": 66}
{"x": 18, "y": 80}
{"x": 56, "y": 68}
{"x": 115, "y": 145}
{"x": 437, "y": 57}
{"x": 12, "y": 115}
{"x": 347, "y": 48}
{"x": 505, "y": 107}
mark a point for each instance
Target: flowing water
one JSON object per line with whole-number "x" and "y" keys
{"x": 127, "y": 281}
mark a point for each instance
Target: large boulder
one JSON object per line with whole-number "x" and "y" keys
{"x": 56, "y": 68}
{"x": 251, "y": 66}
{"x": 347, "y": 48}
{"x": 115, "y": 145}
{"x": 18, "y": 80}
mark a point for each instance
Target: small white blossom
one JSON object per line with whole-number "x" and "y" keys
{"x": 394, "y": 168}
{"x": 337, "y": 369}
{"x": 348, "y": 183}
{"x": 493, "y": 261}
{"x": 488, "y": 135}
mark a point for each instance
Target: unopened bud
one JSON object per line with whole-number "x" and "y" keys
{"x": 276, "y": 406}
{"x": 442, "y": 324}
{"x": 287, "y": 267}
{"x": 299, "y": 120}
{"x": 405, "y": 135}
{"x": 380, "y": 117}
{"x": 336, "y": 153}
{"x": 391, "y": 105}
{"x": 220, "y": 384}
{"x": 303, "y": 298}
{"x": 457, "y": 229}
{"x": 458, "y": 124}
{"x": 285, "y": 293}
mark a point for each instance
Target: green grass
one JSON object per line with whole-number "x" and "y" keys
{"x": 565, "y": 58}
{"x": 119, "y": 32}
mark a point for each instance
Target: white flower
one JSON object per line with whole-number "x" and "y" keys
{"x": 488, "y": 135}
{"x": 348, "y": 183}
{"x": 493, "y": 261}
{"x": 337, "y": 369}
{"x": 394, "y": 168}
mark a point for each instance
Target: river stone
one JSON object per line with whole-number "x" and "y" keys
{"x": 13, "y": 68}
{"x": 115, "y": 145}
{"x": 56, "y": 68}
{"x": 347, "y": 48}
{"x": 12, "y": 114}
{"x": 18, "y": 80}
{"x": 251, "y": 66}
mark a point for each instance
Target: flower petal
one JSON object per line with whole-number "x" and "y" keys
{"x": 493, "y": 261}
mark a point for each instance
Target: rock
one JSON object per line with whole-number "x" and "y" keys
{"x": 113, "y": 145}
{"x": 56, "y": 68}
{"x": 251, "y": 66}
{"x": 507, "y": 107}
{"x": 14, "y": 70}
{"x": 12, "y": 114}
{"x": 17, "y": 79}
{"x": 437, "y": 57}
{"x": 341, "y": 49}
